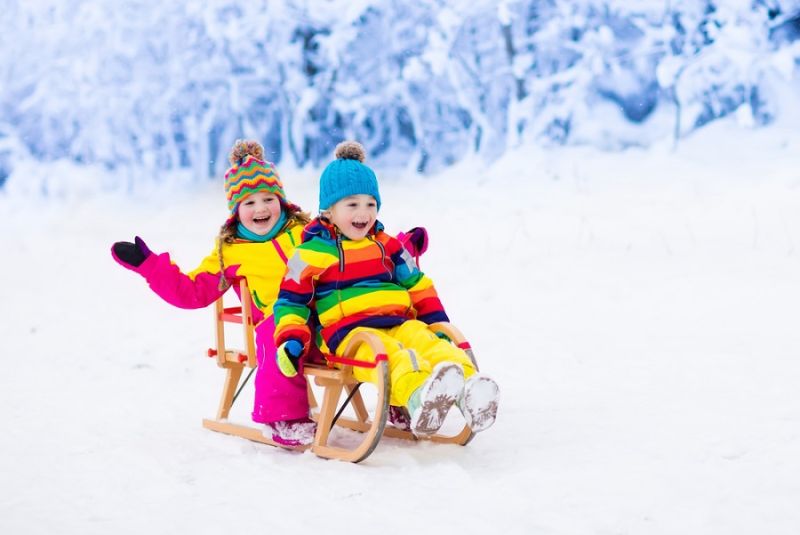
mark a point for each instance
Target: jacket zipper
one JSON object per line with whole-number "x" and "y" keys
{"x": 341, "y": 251}
{"x": 340, "y": 248}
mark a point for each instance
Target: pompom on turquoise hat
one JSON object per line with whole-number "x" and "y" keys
{"x": 347, "y": 175}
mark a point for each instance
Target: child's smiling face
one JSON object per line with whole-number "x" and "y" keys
{"x": 259, "y": 212}
{"x": 354, "y": 215}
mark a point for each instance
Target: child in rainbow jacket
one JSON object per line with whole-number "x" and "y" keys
{"x": 351, "y": 276}
{"x": 254, "y": 244}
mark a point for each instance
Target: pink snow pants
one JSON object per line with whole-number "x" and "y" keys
{"x": 277, "y": 397}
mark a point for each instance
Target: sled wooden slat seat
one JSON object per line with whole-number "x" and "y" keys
{"x": 334, "y": 376}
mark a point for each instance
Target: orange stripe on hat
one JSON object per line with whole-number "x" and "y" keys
{"x": 250, "y": 176}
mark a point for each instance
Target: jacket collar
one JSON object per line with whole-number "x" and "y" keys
{"x": 323, "y": 229}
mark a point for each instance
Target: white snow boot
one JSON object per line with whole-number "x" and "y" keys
{"x": 430, "y": 403}
{"x": 292, "y": 433}
{"x": 478, "y": 402}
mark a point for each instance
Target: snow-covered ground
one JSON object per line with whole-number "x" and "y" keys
{"x": 640, "y": 311}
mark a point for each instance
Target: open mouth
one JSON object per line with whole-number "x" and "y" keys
{"x": 359, "y": 225}
{"x": 261, "y": 220}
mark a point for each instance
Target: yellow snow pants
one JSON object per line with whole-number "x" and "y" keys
{"x": 413, "y": 350}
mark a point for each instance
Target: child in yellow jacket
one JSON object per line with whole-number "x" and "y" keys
{"x": 355, "y": 277}
{"x": 254, "y": 244}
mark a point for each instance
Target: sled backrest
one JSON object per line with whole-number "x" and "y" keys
{"x": 239, "y": 314}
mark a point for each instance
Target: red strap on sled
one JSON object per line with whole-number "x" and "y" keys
{"x": 231, "y": 314}
{"x": 332, "y": 359}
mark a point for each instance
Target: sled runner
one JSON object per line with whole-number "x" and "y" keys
{"x": 334, "y": 376}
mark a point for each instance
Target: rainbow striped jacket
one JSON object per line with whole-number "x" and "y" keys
{"x": 373, "y": 282}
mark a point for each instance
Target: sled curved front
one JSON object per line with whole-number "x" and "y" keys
{"x": 339, "y": 380}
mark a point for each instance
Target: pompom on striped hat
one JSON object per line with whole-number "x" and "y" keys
{"x": 250, "y": 173}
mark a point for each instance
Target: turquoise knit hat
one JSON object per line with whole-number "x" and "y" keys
{"x": 347, "y": 175}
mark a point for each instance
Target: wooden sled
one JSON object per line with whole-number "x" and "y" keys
{"x": 334, "y": 376}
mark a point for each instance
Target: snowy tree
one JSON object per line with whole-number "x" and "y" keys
{"x": 145, "y": 88}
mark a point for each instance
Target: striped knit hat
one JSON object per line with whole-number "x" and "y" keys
{"x": 250, "y": 173}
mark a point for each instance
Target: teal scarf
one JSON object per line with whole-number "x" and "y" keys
{"x": 242, "y": 232}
